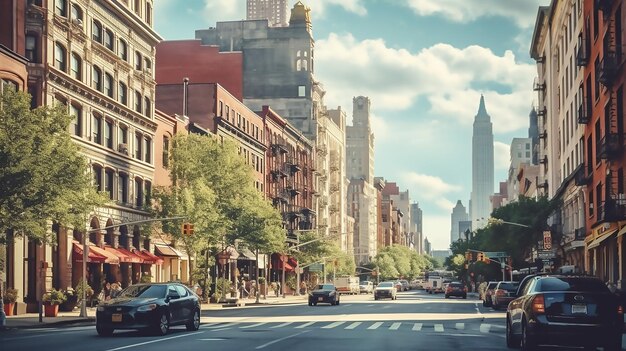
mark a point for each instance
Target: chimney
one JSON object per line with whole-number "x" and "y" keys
{"x": 185, "y": 96}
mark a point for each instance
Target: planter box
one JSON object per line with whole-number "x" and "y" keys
{"x": 51, "y": 310}
{"x": 9, "y": 308}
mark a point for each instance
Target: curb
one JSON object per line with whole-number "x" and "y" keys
{"x": 37, "y": 325}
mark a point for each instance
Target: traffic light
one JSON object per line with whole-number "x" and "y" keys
{"x": 481, "y": 257}
{"x": 468, "y": 256}
{"x": 187, "y": 229}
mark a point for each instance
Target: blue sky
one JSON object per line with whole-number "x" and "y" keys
{"x": 424, "y": 64}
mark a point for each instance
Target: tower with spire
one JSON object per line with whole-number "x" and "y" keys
{"x": 482, "y": 167}
{"x": 459, "y": 214}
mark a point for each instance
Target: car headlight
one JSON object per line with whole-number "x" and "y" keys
{"x": 100, "y": 308}
{"x": 146, "y": 308}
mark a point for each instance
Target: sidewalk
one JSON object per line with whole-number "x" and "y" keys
{"x": 31, "y": 320}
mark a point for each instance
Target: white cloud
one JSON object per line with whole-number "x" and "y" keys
{"x": 522, "y": 12}
{"x": 437, "y": 230}
{"x": 446, "y": 76}
{"x": 444, "y": 204}
{"x": 501, "y": 155}
{"x": 427, "y": 186}
{"x": 319, "y": 7}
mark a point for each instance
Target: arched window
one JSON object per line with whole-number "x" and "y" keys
{"x": 147, "y": 64}
{"x": 123, "y": 50}
{"x": 298, "y": 53}
{"x": 166, "y": 151}
{"x": 138, "y": 142}
{"x": 76, "y": 67}
{"x": 124, "y": 236}
{"x": 97, "y": 78}
{"x": 76, "y": 126}
{"x": 298, "y": 65}
{"x": 123, "y": 93}
{"x": 77, "y": 14}
{"x": 60, "y": 57}
{"x": 108, "y": 238}
{"x": 138, "y": 101}
{"x": 96, "y": 129}
{"x": 96, "y": 31}
{"x": 147, "y": 105}
{"x": 306, "y": 54}
{"x": 108, "y": 39}
{"x": 108, "y": 85}
{"x": 122, "y": 182}
{"x": 138, "y": 60}
{"x": 109, "y": 176}
{"x": 138, "y": 192}
{"x": 305, "y": 65}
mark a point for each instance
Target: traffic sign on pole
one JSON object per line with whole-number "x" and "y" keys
{"x": 547, "y": 240}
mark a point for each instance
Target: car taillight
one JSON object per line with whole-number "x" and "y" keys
{"x": 500, "y": 292}
{"x": 620, "y": 309}
{"x": 539, "y": 304}
{"x": 465, "y": 289}
{"x": 448, "y": 289}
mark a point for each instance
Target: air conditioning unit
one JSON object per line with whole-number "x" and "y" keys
{"x": 123, "y": 148}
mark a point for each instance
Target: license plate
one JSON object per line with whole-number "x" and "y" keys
{"x": 116, "y": 317}
{"x": 582, "y": 309}
{"x": 320, "y": 299}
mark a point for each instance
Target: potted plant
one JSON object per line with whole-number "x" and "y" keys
{"x": 71, "y": 300}
{"x": 52, "y": 299}
{"x": 9, "y": 298}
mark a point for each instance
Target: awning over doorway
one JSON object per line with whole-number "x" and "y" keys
{"x": 290, "y": 263}
{"x": 92, "y": 257}
{"x": 166, "y": 251}
{"x": 148, "y": 257}
{"x": 111, "y": 257}
{"x": 125, "y": 255}
{"x": 599, "y": 240}
{"x": 246, "y": 254}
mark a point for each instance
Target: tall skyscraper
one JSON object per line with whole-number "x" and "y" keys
{"x": 459, "y": 214}
{"x": 482, "y": 167}
{"x": 274, "y": 11}
{"x": 416, "y": 221}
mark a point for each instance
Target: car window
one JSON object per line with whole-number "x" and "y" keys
{"x": 385, "y": 285}
{"x": 508, "y": 286}
{"x": 456, "y": 285}
{"x": 326, "y": 287}
{"x": 171, "y": 290}
{"x": 144, "y": 291}
{"x": 182, "y": 291}
{"x": 528, "y": 286}
{"x": 571, "y": 284}
{"x": 492, "y": 285}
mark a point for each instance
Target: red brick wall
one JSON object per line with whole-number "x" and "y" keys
{"x": 178, "y": 59}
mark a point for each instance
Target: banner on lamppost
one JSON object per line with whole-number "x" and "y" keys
{"x": 547, "y": 240}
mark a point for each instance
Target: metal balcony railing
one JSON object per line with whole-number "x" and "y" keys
{"x": 609, "y": 146}
{"x": 607, "y": 69}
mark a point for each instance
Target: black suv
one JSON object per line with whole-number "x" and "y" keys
{"x": 565, "y": 311}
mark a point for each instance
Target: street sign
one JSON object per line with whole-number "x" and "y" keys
{"x": 545, "y": 254}
{"x": 496, "y": 254}
{"x": 316, "y": 267}
{"x": 547, "y": 240}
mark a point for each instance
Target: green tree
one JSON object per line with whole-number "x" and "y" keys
{"x": 43, "y": 176}
{"x": 400, "y": 261}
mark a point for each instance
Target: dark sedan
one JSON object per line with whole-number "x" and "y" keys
{"x": 325, "y": 293}
{"x": 456, "y": 289}
{"x": 503, "y": 294}
{"x": 153, "y": 307}
{"x": 564, "y": 311}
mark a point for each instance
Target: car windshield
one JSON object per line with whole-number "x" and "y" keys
{"x": 144, "y": 291}
{"x": 572, "y": 284}
{"x": 492, "y": 285}
{"x": 385, "y": 285}
{"x": 326, "y": 287}
{"x": 508, "y": 286}
{"x": 456, "y": 285}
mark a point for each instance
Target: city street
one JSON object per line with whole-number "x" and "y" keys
{"x": 415, "y": 321}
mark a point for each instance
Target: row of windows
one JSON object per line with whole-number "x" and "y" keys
{"x": 240, "y": 121}
{"x": 61, "y": 7}
{"x": 117, "y": 186}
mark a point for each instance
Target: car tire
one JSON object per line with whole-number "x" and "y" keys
{"x": 511, "y": 341}
{"x": 194, "y": 323}
{"x": 465, "y": 297}
{"x": 104, "y": 331}
{"x": 163, "y": 325}
{"x": 527, "y": 342}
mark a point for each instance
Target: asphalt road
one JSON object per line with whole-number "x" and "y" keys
{"x": 415, "y": 321}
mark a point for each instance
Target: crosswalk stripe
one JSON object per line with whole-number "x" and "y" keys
{"x": 332, "y": 325}
{"x": 395, "y": 326}
{"x": 417, "y": 326}
{"x": 354, "y": 325}
{"x": 460, "y": 326}
{"x": 281, "y": 325}
{"x": 375, "y": 325}
{"x": 439, "y": 327}
{"x": 304, "y": 325}
{"x": 252, "y": 326}
{"x": 484, "y": 328}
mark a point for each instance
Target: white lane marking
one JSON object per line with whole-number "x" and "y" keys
{"x": 375, "y": 325}
{"x": 332, "y": 325}
{"x": 395, "y": 326}
{"x": 221, "y": 325}
{"x": 460, "y": 326}
{"x": 281, "y": 339}
{"x": 484, "y": 328}
{"x": 439, "y": 328}
{"x": 354, "y": 325}
{"x": 218, "y": 330}
{"x": 498, "y": 326}
{"x": 417, "y": 326}
{"x": 462, "y": 335}
{"x": 370, "y": 305}
{"x": 281, "y": 325}
{"x": 212, "y": 339}
{"x": 305, "y": 325}
{"x": 207, "y": 326}
{"x": 252, "y": 326}
{"x": 348, "y": 305}
{"x": 153, "y": 341}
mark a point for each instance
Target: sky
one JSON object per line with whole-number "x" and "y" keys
{"x": 424, "y": 65}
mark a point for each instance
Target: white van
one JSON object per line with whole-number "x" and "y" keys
{"x": 347, "y": 285}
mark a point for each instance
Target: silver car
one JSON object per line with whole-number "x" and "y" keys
{"x": 385, "y": 290}
{"x": 366, "y": 287}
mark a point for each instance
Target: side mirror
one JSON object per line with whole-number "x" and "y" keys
{"x": 173, "y": 297}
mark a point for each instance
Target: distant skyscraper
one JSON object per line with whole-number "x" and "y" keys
{"x": 459, "y": 214}
{"x": 275, "y": 11}
{"x": 482, "y": 167}
{"x": 533, "y": 133}
{"x": 416, "y": 221}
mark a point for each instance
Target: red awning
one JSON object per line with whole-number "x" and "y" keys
{"x": 290, "y": 262}
{"x": 148, "y": 257}
{"x": 111, "y": 257}
{"x": 130, "y": 257}
{"x": 92, "y": 257}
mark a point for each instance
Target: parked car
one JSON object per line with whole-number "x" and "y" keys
{"x": 456, "y": 289}
{"x": 324, "y": 293}
{"x": 564, "y": 311}
{"x": 385, "y": 290}
{"x": 405, "y": 285}
{"x": 366, "y": 287}
{"x": 417, "y": 284}
{"x": 503, "y": 294}
{"x": 156, "y": 307}
{"x": 488, "y": 292}
{"x": 398, "y": 285}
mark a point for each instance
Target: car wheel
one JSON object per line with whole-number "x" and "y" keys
{"x": 163, "y": 326}
{"x": 310, "y": 303}
{"x": 511, "y": 341}
{"x": 104, "y": 331}
{"x": 464, "y": 296}
{"x": 194, "y": 323}
{"x": 528, "y": 344}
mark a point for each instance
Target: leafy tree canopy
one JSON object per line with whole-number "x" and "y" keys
{"x": 400, "y": 261}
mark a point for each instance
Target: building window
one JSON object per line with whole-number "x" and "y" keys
{"x": 148, "y": 150}
{"x": 123, "y": 188}
{"x": 77, "y": 14}
{"x": 32, "y": 54}
{"x": 149, "y": 13}
{"x": 138, "y": 7}
{"x": 147, "y": 189}
{"x": 76, "y": 64}
{"x": 97, "y": 177}
{"x": 166, "y": 151}
{"x": 138, "y": 192}
{"x": 76, "y": 126}
{"x": 138, "y": 142}
{"x": 138, "y": 99}
{"x": 148, "y": 107}
{"x": 108, "y": 85}
{"x": 301, "y": 91}
{"x": 147, "y": 64}
{"x": 60, "y": 61}
{"x": 108, "y": 39}
{"x": 108, "y": 182}
{"x": 60, "y": 7}
{"x": 123, "y": 135}
{"x": 108, "y": 134}
{"x": 138, "y": 60}
{"x": 96, "y": 31}
{"x": 97, "y": 78}
{"x": 123, "y": 50}
{"x": 122, "y": 93}
{"x": 96, "y": 129}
